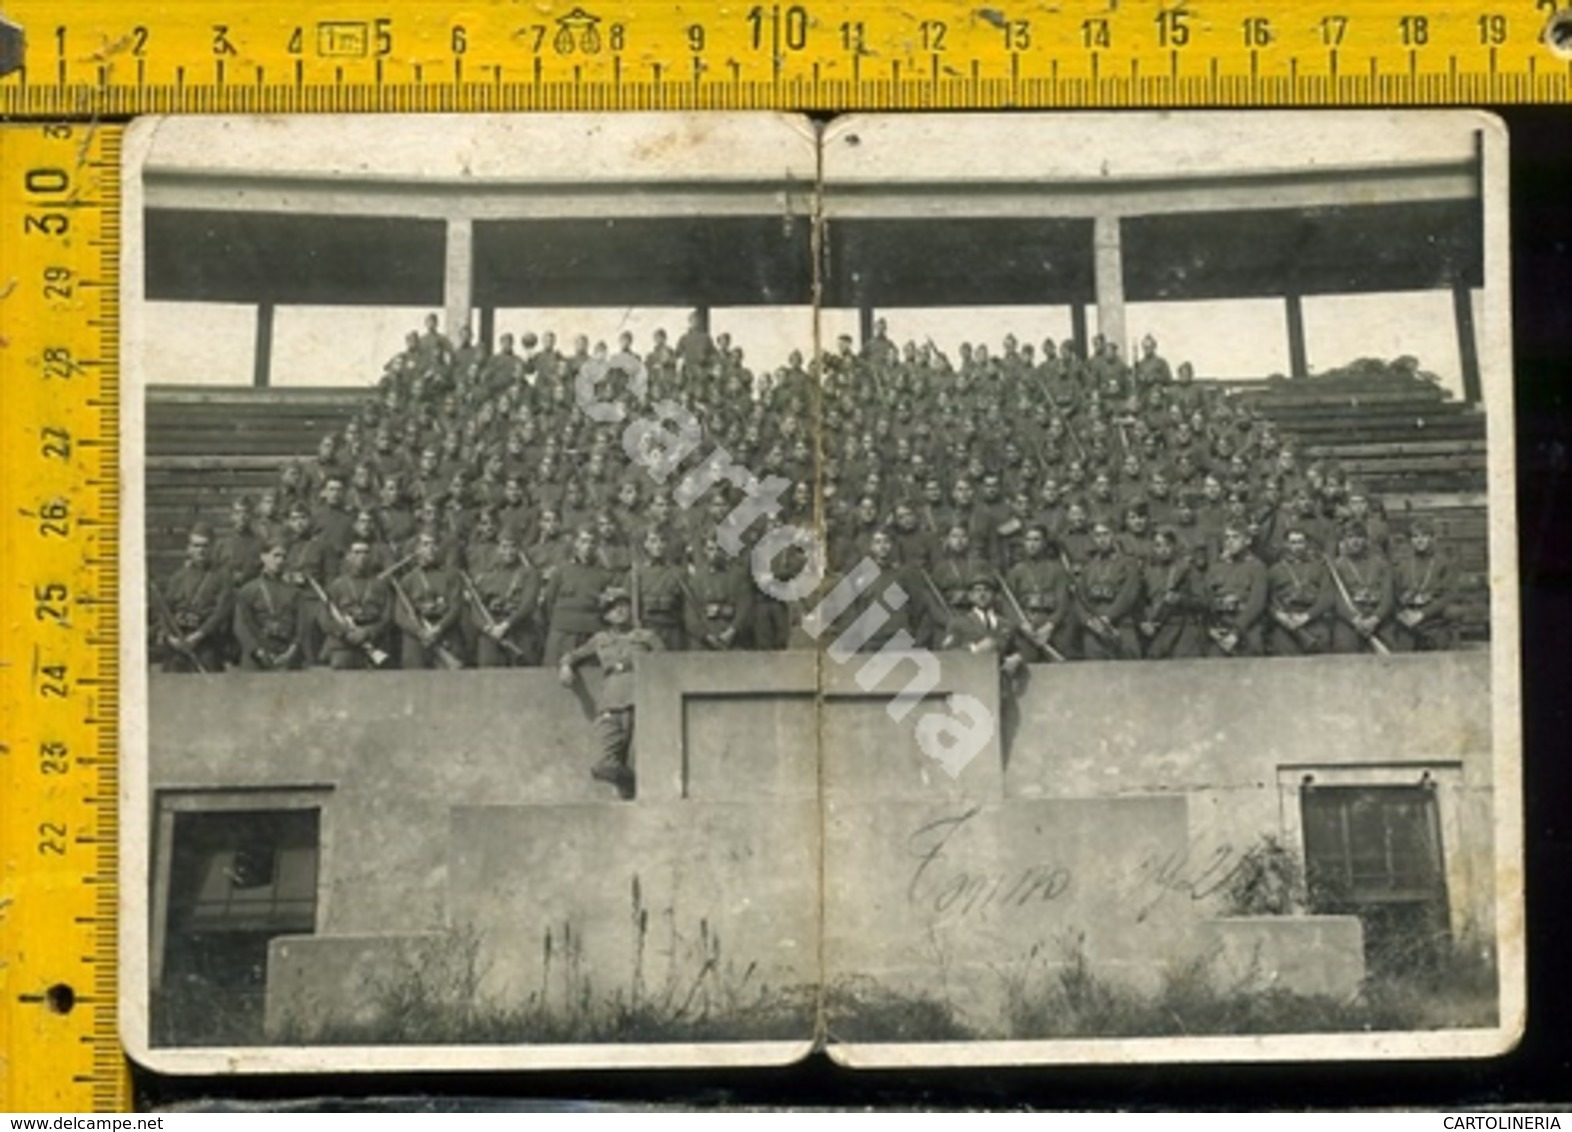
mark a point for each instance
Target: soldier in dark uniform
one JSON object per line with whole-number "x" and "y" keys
{"x": 1363, "y": 581}
{"x": 1151, "y": 369}
{"x": 427, "y": 606}
{"x": 1236, "y": 596}
{"x": 953, "y": 568}
{"x": 616, "y": 648}
{"x": 721, "y": 612}
{"x": 1171, "y": 601}
{"x": 195, "y": 609}
{"x": 1042, "y": 586}
{"x": 572, "y": 598}
{"x": 902, "y": 618}
{"x": 504, "y": 369}
{"x": 1423, "y": 581}
{"x": 239, "y": 549}
{"x": 1075, "y": 537}
{"x": 1299, "y": 596}
{"x": 306, "y": 560}
{"x": 503, "y": 607}
{"x": 660, "y": 588}
{"x": 1110, "y": 586}
{"x": 695, "y": 350}
{"x": 355, "y": 624}
{"x": 269, "y": 617}
{"x": 432, "y": 349}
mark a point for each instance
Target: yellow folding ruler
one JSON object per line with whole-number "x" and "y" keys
{"x": 68, "y": 71}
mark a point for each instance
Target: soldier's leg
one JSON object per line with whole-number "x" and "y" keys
{"x": 1161, "y": 644}
{"x": 1282, "y": 642}
{"x": 613, "y": 735}
{"x": 471, "y": 635}
{"x": 1436, "y": 636}
{"x": 1250, "y": 642}
{"x": 1067, "y": 639}
{"x": 1094, "y": 646}
{"x": 1345, "y": 638}
{"x": 211, "y": 652}
{"x": 488, "y": 653}
{"x": 412, "y": 654}
{"x": 1129, "y": 643}
{"x": 558, "y": 644}
{"x": 346, "y": 660}
{"x": 311, "y": 635}
{"x": 1400, "y": 638}
{"x": 672, "y": 637}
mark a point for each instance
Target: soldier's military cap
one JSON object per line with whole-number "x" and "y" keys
{"x": 201, "y": 530}
{"x": 613, "y": 596}
{"x": 986, "y": 580}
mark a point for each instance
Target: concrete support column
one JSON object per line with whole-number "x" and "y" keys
{"x": 488, "y": 327}
{"x": 1108, "y": 277}
{"x": 262, "y": 355}
{"x": 704, "y": 318}
{"x": 1467, "y": 347}
{"x": 1298, "y": 355}
{"x": 458, "y": 279}
{"x": 864, "y": 324}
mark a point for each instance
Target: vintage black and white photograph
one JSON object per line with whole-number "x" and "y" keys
{"x": 691, "y": 589}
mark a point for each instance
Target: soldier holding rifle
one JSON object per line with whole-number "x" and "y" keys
{"x": 1108, "y": 589}
{"x": 1170, "y": 601}
{"x": 194, "y": 609}
{"x": 1039, "y": 588}
{"x": 1365, "y": 597}
{"x": 429, "y": 601}
{"x": 356, "y": 611}
{"x": 504, "y": 599}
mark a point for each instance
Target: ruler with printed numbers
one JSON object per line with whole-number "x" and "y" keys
{"x": 59, "y": 658}
{"x": 108, "y": 58}
{"x": 69, "y": 71}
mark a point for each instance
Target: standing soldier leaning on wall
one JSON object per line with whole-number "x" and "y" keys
{"x": 616, "y": 649}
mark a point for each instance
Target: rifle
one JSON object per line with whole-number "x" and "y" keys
{"x": 173, "y": 637}
{"x": 375, "y": 655}
{"x": 690, "y": 604}
{"x": 491, "y": 623}
{"x": 1026, "y": 624}
{"x": 397, "y": 566}
{"x": 633, "y": 586}
{"x": 444, "y": 657}
{"x": 949, "y": 614}
{"x": 1113, "y": 641}
{"x": 1065, "y": 417}
{"x": 1376, "y": 643}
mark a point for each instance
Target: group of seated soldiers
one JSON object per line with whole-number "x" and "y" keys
{"x": 472, "y": 515}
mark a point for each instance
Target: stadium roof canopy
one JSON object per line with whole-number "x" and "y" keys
{"x": 745, "y": 243}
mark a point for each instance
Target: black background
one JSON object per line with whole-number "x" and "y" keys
{"x": 1537, "y": 1073}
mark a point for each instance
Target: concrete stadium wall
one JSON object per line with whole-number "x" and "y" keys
{"x": 460, "y": 820}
